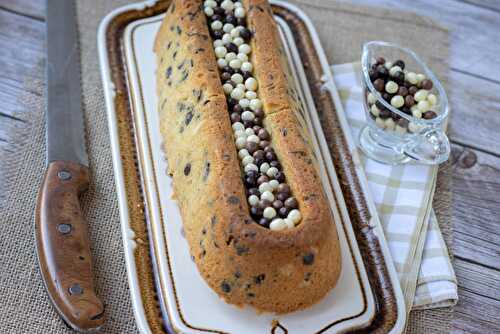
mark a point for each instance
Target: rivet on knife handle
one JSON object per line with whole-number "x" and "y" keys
{"x": 63, "y": 246}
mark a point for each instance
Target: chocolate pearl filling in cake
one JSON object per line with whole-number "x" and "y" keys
{"x": 271, "y": 201}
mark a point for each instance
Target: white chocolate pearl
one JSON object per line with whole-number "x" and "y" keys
{"x": 235, "y": 63}
{"x": 274, "y": 184}
{"x": 226, "y": 38}
{"x": 397, "y": 101}
{"x": 371, "y": 98}
{"x": 228, "y": 88}
{"x": 247, "y": 116}
{"x": 380, "y": 122}
{"x": 272, "y": 171}
{"x": 413, "y": 127}
{"x": 235, "y": 33}
{"x": 211, "y": 3}
{"x": 249, "y": 131}
{"x": 218, "y": 42}
{"x": 269, "y": 213}
{"x": 423, "y": 106}
{"x": 255, "y": 104}
{"x": 237, "y": 93}
{"x": 238, "y": 126}
{"x": 227, "y": 28}
{"x": 253, "y": 138}
{"x": 253, "y": 200}
{"x": 432, "y": 99}
{"x": 400, "y": 130}
{"x": 250, "y": 94}
{"x": 237, "y": 78}
{"x": 250, "y": 167}
{"x": 289, "y": 223}
{"x": 208, "y": 11}
{"x": 388, "y": 65}
{"x": 227, "y": 5}
{"x": 414, "y": 107}
{"x": 265, "y": 187}
{"x": 241, "y": 142}
{"x": 221, "y": 63}
{"x": 411, "y": 77}
{"x": 421, "y": 95}
{"x": 389, "y": 124}
{"x": 264, "y": 167}
{"x": 220, "y": 52}
{"x": 394, "y": 70}
{"x": 238, "y": 4}
{"x": 375, "y": 110}
{"x": 278, "y": 225}
{"x": 294, "y": 216}
{"x": 243, "y": 57}
{"x": 247, "y": 160}
{"x": 244, "y": 103}
{"x": 238, "y": 41}
{"x": 246, "y": 67}
{"x": 251, "y": 84}
{"x": 216, "y": 25}
{"x": 420, "y": 77}
{"x": 240, "y": 133}
{"x": 391, "y": 87}
{"x": 244, "y": 48}
{"x": 241, "y": 86}
{"x": 230, "y": 56}
{"x": 416, "y": 113}
{"x": 243, "y": 153}
{"x": 267, "y": 195}
{"x": 239, "y": 12}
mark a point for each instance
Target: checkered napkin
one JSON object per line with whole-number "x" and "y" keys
{"x": 403, "y": 196}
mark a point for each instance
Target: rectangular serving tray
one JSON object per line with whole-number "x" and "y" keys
{"x": 167, "y": 292}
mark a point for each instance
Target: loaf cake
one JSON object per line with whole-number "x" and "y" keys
{"x": 245, "y": 177}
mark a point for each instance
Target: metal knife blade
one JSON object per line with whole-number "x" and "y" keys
{"x": 63, "y": 246}
{"x": 65, "y": 130}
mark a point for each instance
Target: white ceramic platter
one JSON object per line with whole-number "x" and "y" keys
{"x": 187, "y": 302}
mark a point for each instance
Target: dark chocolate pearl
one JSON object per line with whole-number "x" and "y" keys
{"x": 250, "y": 181}
{"x": 395, "y": 117}
{"x": 373, "y": 75}
{"x": 258, "y": 113}
{"x": 403, "y": 123}
{"x": 291, "y": 203}
{"x": 246, "y": 75}
{"x": 251, "y": 147}
{"x": 252, "y": 173}
{"x": 264, "y": 203}
{"x": 259, "y": 162}
{"x": 284, "y": 188}
{"x": 257, "y": 121}
{"x": 241, "y": 22}
{"x": 259, "y": 154}
{"x": 412, "y": 90}
{"x": 232, "y": 102}
{"x": 231, "y": 47}
{"x": 382, "y": 71}
{"x": 235, "y": 117}
{"x": 427, "y": 84}
{"x": 219, "y": 11}
{"x": 380, "y": 60}
{"x": 283, "y": 212}
{"x": 230, "y": 19}
{"x": 264, "y": 143}
{"x": 256, "y": 128}
{"x": 379, "y": 105}
{"x": 263, "y": 134}
{"x": 216, "y": 16}
{"x": 253, "y": 191}
{"x": 275, "y": 164}
{"x": 262, "y": 179}
{"x": 228, "y": 69}
{"x": 282, "y": 196}
{"x": 400, "y": 63}
{"x": 217, "y": 34}
{"x": 256, "y": 211}
{"x": 409, "y": 101}
{"x": 379, "y": 85}
{"x": 280, "y": 177}
{"x": 429, "y": 114}
{"x": 387, "y": 96}
{"x": 245, "y": 34}
{"x": 225, "y": 76}
{"x": 269, "y": 149}
{"x": 238, "y": 108}
{"x": 270, "y": 156}
{"x": 248, "y": 124}
{"x": 384, "y": 113}
{"x": 277, "y": 204}
{"x": 403, "y": 91}
{"x": 264, "y": 222}
{"x": 406, "y": 110}
{"x": 399, "y": 77}
{"x": 407, "y": 84}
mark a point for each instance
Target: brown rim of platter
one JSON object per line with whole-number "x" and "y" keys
{"x": 368, "y": 242}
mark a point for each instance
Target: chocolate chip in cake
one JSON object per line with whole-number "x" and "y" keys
{"x": 308, "y": 259}
{"x": 225, "y": 287}
{"x": 187, "y": 169}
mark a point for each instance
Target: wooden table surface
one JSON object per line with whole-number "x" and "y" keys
{"x": 475, "y": 132}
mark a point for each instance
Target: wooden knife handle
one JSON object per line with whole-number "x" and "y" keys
{"x": 63, "y": 246}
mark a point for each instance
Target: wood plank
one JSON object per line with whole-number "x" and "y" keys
{"x": 476, "y": 219}
{"x": 31, "y": 8}
{"x": 475, "y": 315}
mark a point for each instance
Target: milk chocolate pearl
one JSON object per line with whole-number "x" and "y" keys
{"x": 380, "y": 60}
{"x": 379, "y": 105}
{"x": 403, "y": 91}
{"x": 216, "y": 16}
{"x": 291, "y": 203}
{"x": 251, "y": 147}
{"x": 219, "y": 11}
{"x": 379, "y": 85}
{"x": 259, "y": 154}
{"x": 403, "y": 122}
{"x": 282, "y": 196}
{"x": 400, "y": 63}
{"x": 264, "y": 143}
{"x": 262, "y": 179}
{"x": 284, "y": 188}
{"x": 269, "y": 149}
{"x": 248, "y": 124}
{"x": 412, "y": 90}
{"x": 237, "y": 108}
{"x": 399, "y": 77}
{"x": 235, "y": 117}
{"x": 270, "y": 156}
{"x": 427, "y": 84}
{"x": 250, "y": 181}
{"x": 263, "y": 203}
{"x": 258, "y": 113}
{"x": 429, "y": 114}
{"x": 225, "y": 76}
{"x": 263, "y": 134}
{"x": 387, "y": 97}
{"x": 409, "y": 101}
{"x": 232, "y": 102}
{"x": 384, "y": 113}
{"x": 277, "y": 204}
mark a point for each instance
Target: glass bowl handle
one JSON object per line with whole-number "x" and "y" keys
{"x": 432, "y": 147}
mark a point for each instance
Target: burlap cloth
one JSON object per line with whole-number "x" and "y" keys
{"x": 24, "y": 306}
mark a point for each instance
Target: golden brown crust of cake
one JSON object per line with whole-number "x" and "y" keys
{"x": 277, "y": 271}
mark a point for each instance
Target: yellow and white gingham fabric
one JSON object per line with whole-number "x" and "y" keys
{"x": 403, "y": 196}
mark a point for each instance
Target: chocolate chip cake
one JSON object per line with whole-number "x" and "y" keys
{"x": 245, "y": 177}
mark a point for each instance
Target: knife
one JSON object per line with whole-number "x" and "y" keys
{"x": 63, "y": 246}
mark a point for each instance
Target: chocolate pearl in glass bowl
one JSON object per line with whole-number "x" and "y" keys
{"x": 427, "y": 84}
{"x": 409, "y": 101}
{"x": 384, "y": 113}
{"x": 399, "y": 77}
{"x": 403, "y": 91}
{"x": 413, "y": 89}
{"x": 373, "y": 74}
{"x": 399, "y": 63}
{"x": 429, "y": 114}
{"x": 379, "y": 85}
{"x": 382, "y": 71}
{"x": 380, "y": 60}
